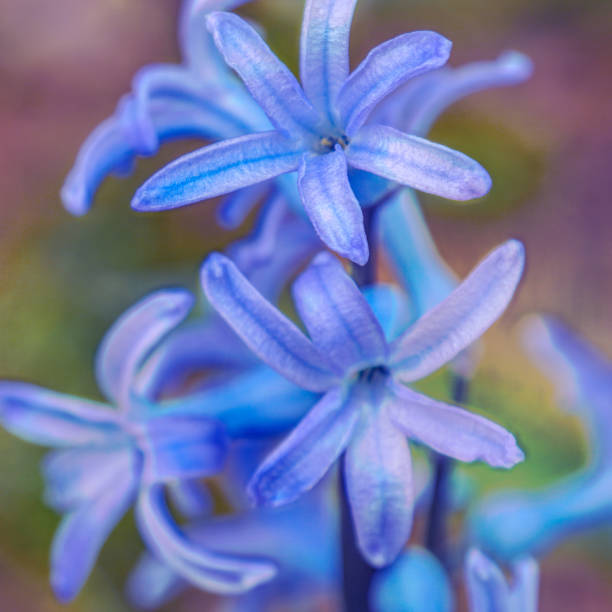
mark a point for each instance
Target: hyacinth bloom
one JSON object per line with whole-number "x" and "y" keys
{"x": 320, "y": 127}
{"x": 416, "y": 582}
{"x": 365, "y": 409}
{"x": 106, "y": 458}
{"x": 489, "y": 590}
{"x": 518, "y": 523}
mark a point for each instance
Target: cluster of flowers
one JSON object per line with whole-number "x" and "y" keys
{"x": 335, "y": 161}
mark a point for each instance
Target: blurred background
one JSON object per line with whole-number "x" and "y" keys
{"x": 63, "y": 280}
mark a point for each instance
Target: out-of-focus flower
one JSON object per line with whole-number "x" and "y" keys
{"x": 106, "y": 458}
{"x": 489, "y": 590}
{"x": 320, "y": 130}
{"x": 517, "y": 523}
{"x": 416, "y": 582}
{"x": 365, "y": 409}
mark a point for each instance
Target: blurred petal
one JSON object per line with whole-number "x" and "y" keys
{"x": 82, "y": 533}
{"x": 152, "y": 584}
{"x": 379, "y": 487}
{"x": 417, "y": 163}
{"x": 44, "y": 417}
{"x": 391, "y": 308}
{"x": 208, "y": 570}
{"x": 267, "y": 332}
{"x": 526, "y": 574}
{"x": 133, "y": 335}
{"x": 218, "y": 169}
{"x": 307, "y": 453}
{"x": 462, "y": 317}
{"x": 266, "y": 77}
{"x": 332, "y": 206}
{"x": 486, "y": 584}
{"x": 453, "y": 431}
{"x": 324, "y": 51}
{"x": 385, "y": 68}
{"x": 236, "y": 207}
{"x": 191, "y": 497}
{"x": 337, "y": 316}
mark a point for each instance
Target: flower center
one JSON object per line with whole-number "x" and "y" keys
{"x": 373, "y": 374}
{"x": 328, "y": 143}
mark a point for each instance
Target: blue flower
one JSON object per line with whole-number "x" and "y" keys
{"x": 489, "y": 590}
{"x": 107, "y": 458}
{"x": 365, "y": 410}
{"x": 320, "y": 130}
{"x": 516, "y": 523}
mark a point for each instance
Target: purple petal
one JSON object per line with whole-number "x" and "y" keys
{"x": 267, "y": 332}
{"x": 152, "y": 584}
{"x": 337, "y": 316}
{"x": 331, "y": 205}
{"x": 218, "y": 169}
{"x": 385, "y": 68}
{"x": 234, "y": 210}
{"x": 324, "y": 51}
{"x": 307, "y": 453}
{"x": 453, "y": 431}
{"x": 417, "y": 163}
{"x": 266, "y": 77}
{"x": 132, "y": 337}
{"x": 380, "y": 490}
{"x": 462, "y": 317}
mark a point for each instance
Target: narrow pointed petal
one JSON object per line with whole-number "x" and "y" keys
{"x": 177, "y": 445}
{"x": 132, "y": 337}
{"x": 417, "y": 163}
{"x": 379, "y": 485}
{"x": 452, "y": 431}
{"x": 307, "y": 453}
{"x": 331, "y": 205}
{"x": 267, "y": 332}
{"x": 386, "y": 68}
{"x": 82, "y": 534}
{"x": 486, "y": 584}
{"x": 462, "y": 317}
{"x": 337, "y": 316}
{"x": 324, "y": 51}
{"x": 218, "y": 169}
{"x": 208, "y": 570}
{"x": 44, "y": 417}
{"x": 270, "y": 82}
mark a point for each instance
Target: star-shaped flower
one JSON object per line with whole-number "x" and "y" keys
{"x": 365, "y": 409}
{"x": 321, "y": 128}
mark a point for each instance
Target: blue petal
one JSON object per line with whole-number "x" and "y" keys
{"x": 379, "y": 485}
{"x": 266, "y": 77}
{"x": 152, "y": 584}
{"x": 178, "y": 445}
{"x": 416, "y": 582}
{"x": 234, "y": 210}
{"x": 218, "y": 169}
{"x": 337, "y": 316}
{"x": 307, "y": 453}
{"x": 211, "y": 571}
{"x": 82, "y": 533}
{"x": 385, "y": 68}
{"x": 132, "y": 337}
{"x": 267, "y": 332}
{"x": 52, "y": 419}
{"x": 462, "y": 317}
{"x": 453, "y": 431}
{"x": 331, "y": 205}
{"x": 191, "y": 497}
{"x": 417, "y": 163}
{"x": 324, "y": 51}
{"x": 391, "y": 308}
{"x": 413, "y": 254}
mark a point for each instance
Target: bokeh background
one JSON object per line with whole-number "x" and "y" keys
{"x": 63, "y": 280}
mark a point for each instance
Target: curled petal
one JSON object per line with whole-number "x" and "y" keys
{"x": 337, "y": 316}
{"x": 218, "y": 169}
{"x": 267, "y": 332}
{"x": 385, "y": 68}
{"x": 191, "y": 497}
{"x": 417, "y": 163}
{"x": 266, "y": 77}
{"x": 380, "y": 490}
{"x": 307, "y": 453}
{"x": 453, "y": 431}
{"x": 324, "y": 47}
{"x": 331, "y": 205}
{"x": 132, "y": 337}
{"x": 462, "y": 317}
